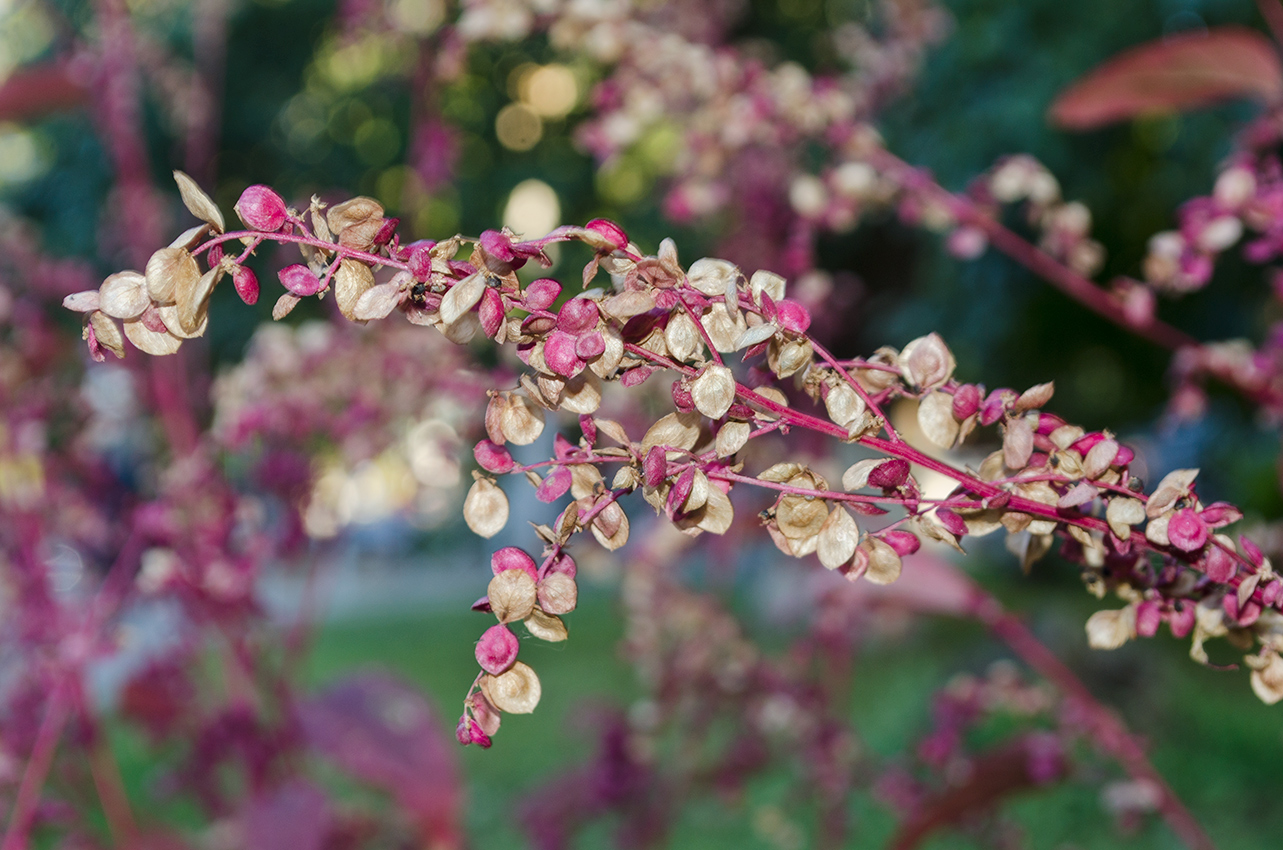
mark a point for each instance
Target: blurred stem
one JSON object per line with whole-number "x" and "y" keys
{"x": 1060, "y": 276}
{"x": 37, "y": 769}
{"x": 1107, "y": 731}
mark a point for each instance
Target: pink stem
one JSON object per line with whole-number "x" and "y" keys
{"x": 36, "y": 770}
{"x": 1107, "y": 731}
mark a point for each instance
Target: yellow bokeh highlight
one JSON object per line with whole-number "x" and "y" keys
{"x": 533, "y": 209}
{"x": 550, "y": 90}
{"x": 518, "y": 127}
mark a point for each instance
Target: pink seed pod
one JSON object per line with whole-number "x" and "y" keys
{"x": 655, "y": 466}
{"x": 952, "y": 522}
{"x": 492, "y": 457}
{"x": 498, "y": 246}
{"x": 262, "y": 209}
{"x": 419, "y": 259}
{"x": 966, "y": 401}
{"x": 1219, "y": 566}
{"x": 903, "y": 542}
{"x": 889, "y": 474}
{"x": 792, "y": 316}
{"x": 246, "y": 283}
{"x": 577, "y": 316}
{"x": 299, "y": 280}
{"x": 512, "y": 558}
{"x": 612, "y": 233}
{"x": 559, "y": 354}
{"x": 1186, "y": 530}
{"x": 555, "y": 485}
{"x": 541, "y": 294}
{"x": 497, "y": 649}
{"x": 1149, "y": 614}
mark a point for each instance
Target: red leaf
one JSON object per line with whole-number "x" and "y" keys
{"x": 1181, "y": 72}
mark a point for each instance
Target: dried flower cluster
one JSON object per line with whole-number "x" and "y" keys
{"x": 1160, "y": 552}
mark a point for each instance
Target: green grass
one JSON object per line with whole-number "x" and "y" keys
{"x": 1213, "y": 741}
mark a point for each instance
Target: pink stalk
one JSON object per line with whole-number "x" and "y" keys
{"x": 1063, "y": 278}
{"x": 36, "y": 770}
{"x": 1106, "y": 729}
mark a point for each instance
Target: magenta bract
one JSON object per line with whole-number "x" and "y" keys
{"x": 262, "y": 209}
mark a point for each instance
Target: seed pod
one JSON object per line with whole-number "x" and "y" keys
{"x": 517, "y": 691}
{"x": 713, "y": 391}
{"x": 512, "y": 595}
{"x": 200, "y": 204}
{"x": 838, "y": 538}
{"x": 558, "y": 593}
{"x": 485, "y": 509}
{"x": 547, "y": 627}
{"x": 124, "y": 295}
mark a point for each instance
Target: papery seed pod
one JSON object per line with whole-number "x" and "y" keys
{"x": 497, "y": 649}
{"x": 558, "y": 592}
{"x": 485, "y": 509}
{"x": 1035, "y": 397}
{"x": 200, "y": 204}
{"x": 884, "y": 563}
{"x": 517, "y": 691}
{"x": 681, "y": 338}
{"x": 149, "y": 341}
{"x": 82, "y": 302}
{"x": 461, "y": 298}
{"x": 724, "y": 328}
{"x": 352, "y": 280}
{"x": 542, "y": 293}
{"x": 838, "y": 538}
{"x": 283, "y": 307}
{"x": 545, "y": 626}
{"x": 261, "y": 209}
{"x": 717, "y": 513}
{"x": 1267, "y": 676}
{"x": 1111, "y": 629}
{"x": 521, "y": 421}
{"x": 709, "y": 275}
{"x": 359, "y": 210}
{"x": 169, "y": 271}
{"x": 857, "y": 474}
{"x": 926, "y": 362}
{"x": 582, "y": 394}
{"x": 731, "y": 437}
{"x": 713, "y": 391}
{"x": 124, "y": 295}
{"x": 512, "y": 595}
{"x": 1123, "y": 513}
{"x": 785, "y": 357}
{"x": 677, "y": 430}
{"x": 768, "y": 283}
{"x": 193, "y": 304}
{"x": 107, "y": 333}
{"x": 843, "y": 404}
{"x": 800, "y": 517}
{"x": 610, "y": 527}
{"x": 1017, "y": 443}
{"x": 1174, "y": 486}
